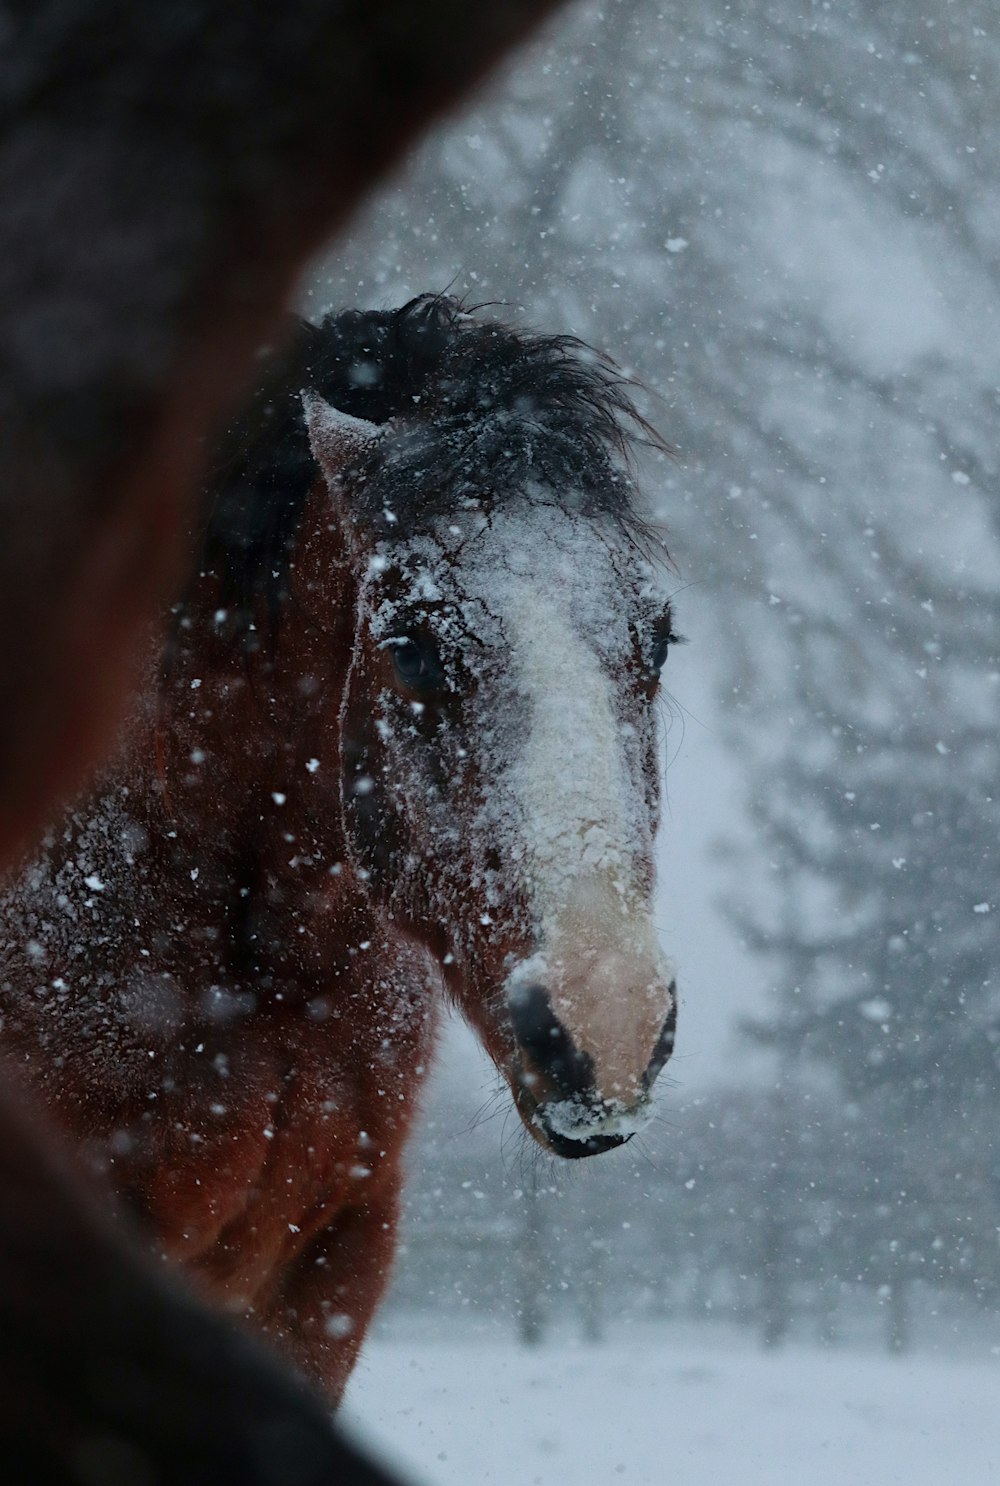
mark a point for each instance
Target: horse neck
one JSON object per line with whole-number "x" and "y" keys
{"x": 243, "y": 730}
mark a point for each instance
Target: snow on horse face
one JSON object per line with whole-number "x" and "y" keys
{"x": 501, "y": 778}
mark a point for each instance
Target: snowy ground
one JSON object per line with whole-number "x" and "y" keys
{"x": 692, "y": 1406}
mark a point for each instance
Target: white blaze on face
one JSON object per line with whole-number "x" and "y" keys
{"x": 575, "y": 788}
{"x": 569, "y": 778}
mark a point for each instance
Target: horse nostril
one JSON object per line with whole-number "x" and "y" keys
{"x": 544, "y": 1039}
{"x": 664, "y": 1043}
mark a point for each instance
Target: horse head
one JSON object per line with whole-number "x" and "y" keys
{"x": 499, "y": 733}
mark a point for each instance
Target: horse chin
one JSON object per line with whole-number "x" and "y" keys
{"x": 576, "y": 1127}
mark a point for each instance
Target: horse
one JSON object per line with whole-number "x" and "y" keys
{"x": 401, "y": 745}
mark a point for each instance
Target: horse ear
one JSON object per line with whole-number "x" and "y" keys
{"x": 335, "y": 437}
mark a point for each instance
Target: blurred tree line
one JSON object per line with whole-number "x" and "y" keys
{"x": 784, "y": 220}
{"x": 779, "y": 1208}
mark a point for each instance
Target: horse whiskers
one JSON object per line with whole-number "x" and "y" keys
{"x": 639, "y": 1145}
{"x": 489, "y": 1109}
{"x": 521, "y": 1141}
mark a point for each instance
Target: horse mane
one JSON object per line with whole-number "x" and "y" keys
{"x": 467, "y": 397}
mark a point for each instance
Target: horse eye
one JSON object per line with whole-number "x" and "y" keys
{"x": 663, "y": 638}
{"x": 417, "y": 664}
{"x": 659, "y": 656}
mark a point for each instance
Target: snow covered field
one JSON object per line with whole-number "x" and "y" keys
{"x": 688, "y": 1406}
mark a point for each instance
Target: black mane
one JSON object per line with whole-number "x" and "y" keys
{"x": 479, "y": 409}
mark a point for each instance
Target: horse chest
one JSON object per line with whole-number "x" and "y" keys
{"x": 239, "y": 1180}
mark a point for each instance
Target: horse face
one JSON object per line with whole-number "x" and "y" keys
{"x": 501, "y": 793}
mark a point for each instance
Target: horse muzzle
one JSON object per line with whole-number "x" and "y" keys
{"x": 557, "y": 1084}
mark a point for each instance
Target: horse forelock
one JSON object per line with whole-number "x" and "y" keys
{"x": 476, "y": 410}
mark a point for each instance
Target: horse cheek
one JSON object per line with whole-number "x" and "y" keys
{"x": 373, "y": 827}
